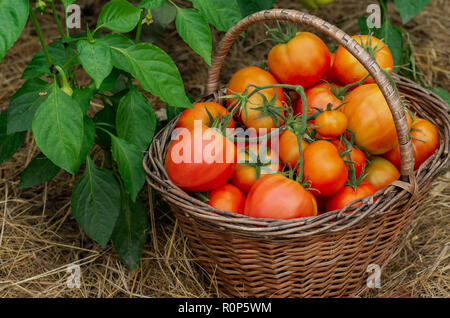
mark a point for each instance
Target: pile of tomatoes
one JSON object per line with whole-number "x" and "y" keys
{"x": 334, "y": 142}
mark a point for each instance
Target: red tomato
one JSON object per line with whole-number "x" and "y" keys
{"x": 370, "y": 119}
{"x": 331, "y": 75}
{"x": 199, "y": 112}
{"x": 288, "y": 147}
{"x": 332, "y": 123}
{"x": 304, "y": 60}
{"x": 324, "y": 168}
{"x": 227, "y": 198}
{"x": 357, "y": 157}
{"x": 318, "y": 96}
{"x": 349, "y": 70}
{"x": 200, "y": 159}
{"x": 256, "y": 76}
{"x": 277, "y": 197}
{"x": 244, "y": 175}
{"x": 381, "y": 173}
{"x": 425, "y": 141}
{"x": 348, "y": 194}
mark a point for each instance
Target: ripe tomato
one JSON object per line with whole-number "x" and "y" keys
{"x": 332, "y": 123}
{"x": 304, "y": 60}
{"x": 200, "y": 159}
{"x": 357, "y": 157}
{"x": 252, "y": 117}
{"x": 381, "y": 173}
{"x": 370, "y": 119}
{"x": 348, "y": 194}
{"x": 288, "y": 147}
{"x": 199, "y": 112}
{"x": 349, "y": 70}
{"x": 227, "y": 198}
{"x": 318, "y": 96}
{"x": 331, "y": 75}
{"x": 277, "y": 197}
{"x": 244, "y": 175}
{"x": 256, "y": 76}
{"x": 425, "y": 141}
{"x": 324, "y": 168}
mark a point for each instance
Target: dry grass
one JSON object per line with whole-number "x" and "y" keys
{"x": 39, "y": 238}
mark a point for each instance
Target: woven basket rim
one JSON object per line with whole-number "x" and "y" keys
{"x": 326, "y": 223}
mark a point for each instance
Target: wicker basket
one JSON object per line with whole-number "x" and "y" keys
{"x": 322, "y": 256}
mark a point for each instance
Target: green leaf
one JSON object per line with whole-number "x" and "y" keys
{"x": 119, "y": 15}
{"x": 96, "y": 59}
{"x": 58, "y": 129}
{"x": 393, "y": 37}
{"x": 156, "y": 72}
{"x": 38, "y": 65}
{"x": 162, "y": 17}
{"x": 409, "y": 8}
{"x": 83, "y": 96}
{"x": 136, "y": 120}
{"x": 251, "y": 6}
{"x": 113, "y": 81}
{"x": 131, "y": 231}
{"x": 118, "y": 41}
{"x": 151, "y": 4}
{"x": 96, "y": 202}
{"x": 9, "y": 143}
{"x": 24, "y": 104}
{"x": 88, "y": 140}
{"x": 13, "y": 17}
{"x": 106, "y": 115}
{"x": 444, "y": 94}
{"x": 223, "y": 14}
{"x": 38, "y": 171}
{"x": 195, "y": 31}
{"x": 129, "y": 160}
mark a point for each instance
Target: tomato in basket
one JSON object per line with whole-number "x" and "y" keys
{"x": 227, "y": 198}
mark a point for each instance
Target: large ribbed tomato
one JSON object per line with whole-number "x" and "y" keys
{"x": 304, "y": 60}
{"x": 349, "y": 70}
{"x": 200, "y": 159}
{"x": 277, "y": 197}
{"x": 348, "y": 194}
{"x": 324, "y": 168}
{"x": 227, "y": 198}
{"x": 370, "y": 119}
{"x": 425, "y": 141}
{"x": 200, "y": 112}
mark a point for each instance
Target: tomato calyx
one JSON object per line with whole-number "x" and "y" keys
{"x": 202, "y": 196}
{"x": 279, "y": 35}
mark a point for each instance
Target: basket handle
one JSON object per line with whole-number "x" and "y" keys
{"x": 382, "y": 80}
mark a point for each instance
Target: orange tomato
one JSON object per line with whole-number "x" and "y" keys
{"x": 349, "y": 70}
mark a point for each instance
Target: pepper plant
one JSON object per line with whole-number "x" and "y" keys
{"x": 56, "y": 107}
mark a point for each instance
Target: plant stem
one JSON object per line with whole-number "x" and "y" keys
{"x": 139, "y": 28}
{"x": 41, "y": 39}
{"x": 58, "y": 22}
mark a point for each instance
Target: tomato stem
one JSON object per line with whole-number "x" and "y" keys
{"x": 41, "y": 38}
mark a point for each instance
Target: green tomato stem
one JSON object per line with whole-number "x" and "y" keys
{"x": 139, "y": 28}
{"x": 41, "y": 38}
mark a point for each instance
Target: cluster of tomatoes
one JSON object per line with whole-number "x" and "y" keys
{"x": 334, "y": 142}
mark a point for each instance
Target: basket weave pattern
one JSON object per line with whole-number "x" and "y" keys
{"x": 323, "y": 256}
